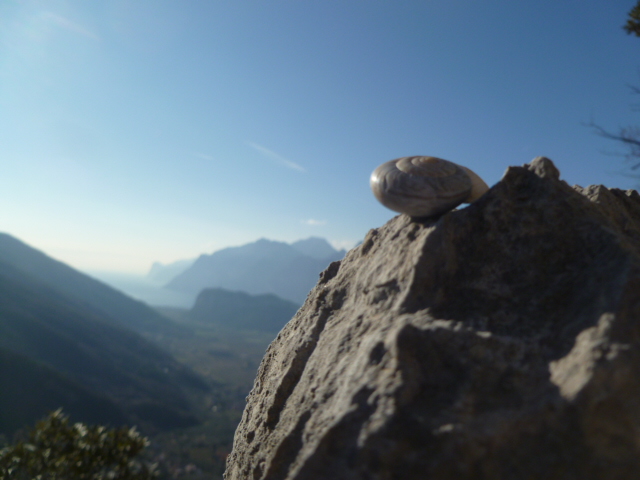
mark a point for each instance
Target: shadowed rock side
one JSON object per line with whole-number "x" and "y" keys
{"x": 500, "y": 341}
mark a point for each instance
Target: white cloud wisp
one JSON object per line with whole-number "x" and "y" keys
{"x": 312, "y": 222}
{"x": 67, "y": 24}
{"x": 274, "y": 156}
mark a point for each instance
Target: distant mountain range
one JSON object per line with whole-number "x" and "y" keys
{"x": 68, "y": 340}
{"x": 162, "y": 273}
{"x": 241, "y": 311}
{"x": 265, "y": 266}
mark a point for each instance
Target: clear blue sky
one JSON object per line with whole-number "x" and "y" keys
{"x": 135, "y": 131}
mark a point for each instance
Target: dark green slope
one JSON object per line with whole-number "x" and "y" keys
{"x": 241, "y": 311}
{"x": 147, "y": 383}
{"x": 115, "y": 306}
{"x": 30, "y": 390}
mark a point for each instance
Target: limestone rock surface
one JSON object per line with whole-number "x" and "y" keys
{"x": 499, "y": 341}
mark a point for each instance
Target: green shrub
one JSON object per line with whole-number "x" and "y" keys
{"x": 58, "y": 450}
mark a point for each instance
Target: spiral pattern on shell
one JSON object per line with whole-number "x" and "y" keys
{"x": 425, "y": 186}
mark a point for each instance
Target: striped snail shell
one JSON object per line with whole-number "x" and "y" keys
{"x": 425, "y": 186}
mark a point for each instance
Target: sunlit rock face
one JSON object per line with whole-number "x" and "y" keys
{"x": 499, "y": 341}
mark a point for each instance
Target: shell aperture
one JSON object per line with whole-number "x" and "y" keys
{"x": 425, "y": 186}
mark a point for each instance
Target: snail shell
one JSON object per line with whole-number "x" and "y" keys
{"x": 425, "y": 186}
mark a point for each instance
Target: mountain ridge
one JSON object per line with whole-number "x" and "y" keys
{"x": 19, "y": 406}
{"x": 263, "y": 266}
{"x": 97, "y": 295}
{"x": 83, "y": 352}
{"x": 241, "y": 311}
{"x": 163, "y": 273}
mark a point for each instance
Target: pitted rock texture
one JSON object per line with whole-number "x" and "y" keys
{"x": 499, "y": 341}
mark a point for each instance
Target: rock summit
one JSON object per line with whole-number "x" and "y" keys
{"x": 498, "y": 341}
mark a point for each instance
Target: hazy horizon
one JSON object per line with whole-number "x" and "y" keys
{"x": 144, "y": 272}
{"x": 150, "y": 286}
{"x": 135, "y": 132}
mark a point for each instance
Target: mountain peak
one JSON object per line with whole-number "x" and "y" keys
{"x": 315, "y": 247}
{"x": 264, "y": 266}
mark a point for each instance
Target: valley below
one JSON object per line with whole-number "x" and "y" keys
{"x": 228, "y": 360}
{"x": 116, "y": 349}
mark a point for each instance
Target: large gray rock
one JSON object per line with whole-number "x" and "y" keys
{"x": 500, "y": 341}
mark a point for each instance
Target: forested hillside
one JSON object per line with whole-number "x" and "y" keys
{"x": 84, "y": 346}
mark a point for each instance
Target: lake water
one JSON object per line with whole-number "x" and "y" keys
{"x": 142, "y": 288}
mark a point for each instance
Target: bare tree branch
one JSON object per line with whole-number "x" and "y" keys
{"x": 629, "y": 136}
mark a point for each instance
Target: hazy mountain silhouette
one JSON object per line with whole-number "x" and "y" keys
{"x": 241, "y": 311}
{"x": 114, "y": 365}
{"x": 115, "y": 306}
{"x": 162, "y": 273}
{"x": 265, "y": 266}
{"x": 316, "y": 247}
